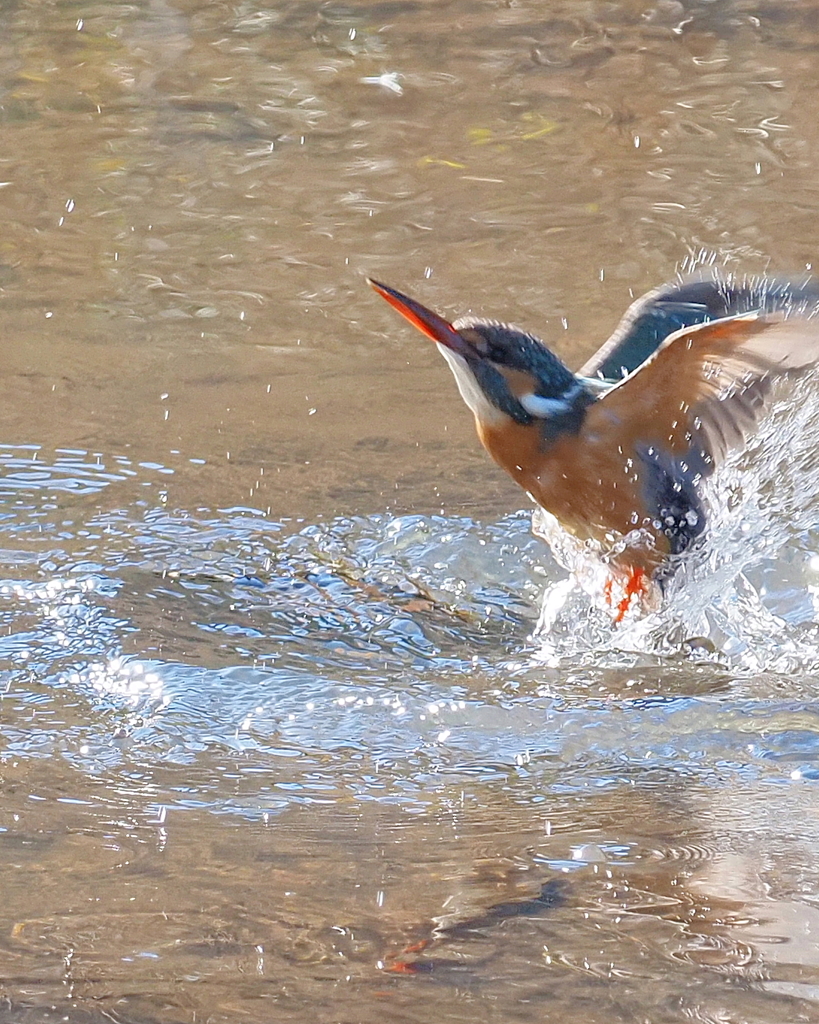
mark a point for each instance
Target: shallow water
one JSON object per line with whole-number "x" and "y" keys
{"x": 280, "y": 737}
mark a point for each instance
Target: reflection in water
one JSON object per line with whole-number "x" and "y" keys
{"x": 375, "y": 672}
{"x": 274, "y": 710}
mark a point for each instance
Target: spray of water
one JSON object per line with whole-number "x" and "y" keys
{"x": 750, "y": 596}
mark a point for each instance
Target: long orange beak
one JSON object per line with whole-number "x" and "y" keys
{"x": 424, "y": 319}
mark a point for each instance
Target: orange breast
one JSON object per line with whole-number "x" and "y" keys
{"x": 590, "y": 481}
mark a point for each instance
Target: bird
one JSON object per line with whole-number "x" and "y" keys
{"x": 615, "y": 454}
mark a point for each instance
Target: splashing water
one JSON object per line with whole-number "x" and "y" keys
{"x": 750, "y": 596}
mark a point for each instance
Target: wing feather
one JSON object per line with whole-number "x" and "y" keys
{"x": 699, "y": 298}
{"x": 706, "y": 387}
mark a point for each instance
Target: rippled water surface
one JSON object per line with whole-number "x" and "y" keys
{"x": 300, "y": 722}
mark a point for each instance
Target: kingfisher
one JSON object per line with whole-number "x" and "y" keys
{"x": 615, "y": 455}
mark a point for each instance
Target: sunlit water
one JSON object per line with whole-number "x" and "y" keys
{"x": 409, "y": 636}
{"x": 223, "y": 663}
{"x": 276, "y": 715}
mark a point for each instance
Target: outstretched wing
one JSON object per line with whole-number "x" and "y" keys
{"x": 706, "y": 387}
{"x": 708, "y": 296}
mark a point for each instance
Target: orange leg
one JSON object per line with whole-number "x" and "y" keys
{"x": 636, "y": 584}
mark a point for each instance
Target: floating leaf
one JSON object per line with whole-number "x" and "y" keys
{"x": 109, "y": 165}
{"x": 428, "y": 161}
{"x": 542, "y": 125}
{"x": 547, "y": 129}
{"x": 480, "y": 136}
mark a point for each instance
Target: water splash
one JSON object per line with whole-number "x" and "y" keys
{"x": 750, "y": 597}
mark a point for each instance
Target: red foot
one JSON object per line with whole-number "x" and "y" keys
{"x": 636, "y": 583}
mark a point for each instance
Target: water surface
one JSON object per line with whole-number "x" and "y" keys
{"x": 280, "y": 740}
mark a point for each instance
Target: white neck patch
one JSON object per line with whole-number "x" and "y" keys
{"x": 545, "y": 408}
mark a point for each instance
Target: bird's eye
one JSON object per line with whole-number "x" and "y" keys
{"x": 482, "y": 345}
{"x": 488, "y": 346}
